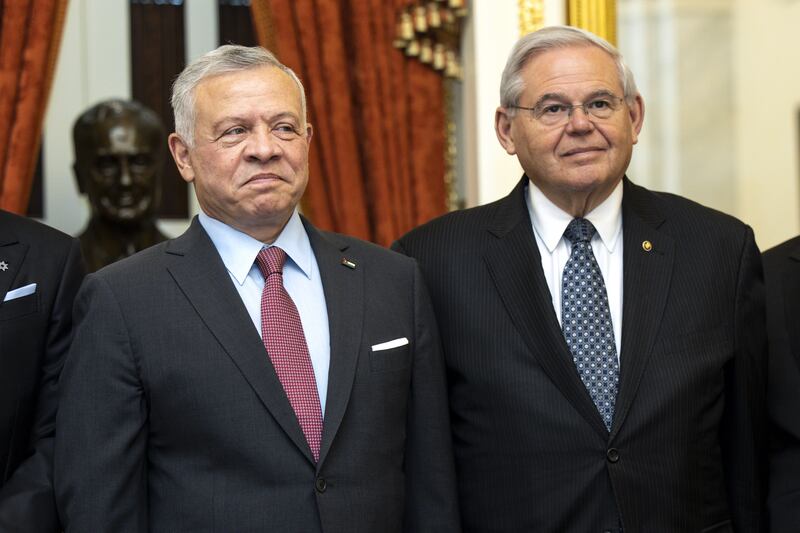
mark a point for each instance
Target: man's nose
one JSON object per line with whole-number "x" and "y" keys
{"x": 579, "y": 120}
{"x": 263, "y": 145}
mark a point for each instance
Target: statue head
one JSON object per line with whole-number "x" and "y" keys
{"x": 119, "y": 152}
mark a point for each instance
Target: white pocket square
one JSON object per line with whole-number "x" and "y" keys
{"x": 388, "y": 345}
{"x": 20, "y": 292}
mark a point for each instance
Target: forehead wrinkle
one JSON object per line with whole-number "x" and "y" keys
{"x": 243, "y": 119}
{"x": 563, "y": 98}
{"x": 233, "y": 119}
{"x": 284, "y": 115}
{"x": 557, "y": 69}
{"x": 234, "y": 97}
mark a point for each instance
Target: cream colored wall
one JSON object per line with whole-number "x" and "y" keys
{"x": 767, "y": 99}
{"x": 681, "y": 52}
{"x": 750, "y": 155}
{"x": 722, "y": 80}
{"x": 491, "y": 31}
{"x": 94, "y": 65}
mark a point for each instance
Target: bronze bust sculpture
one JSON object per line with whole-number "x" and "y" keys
{"x": 119, "y": 151}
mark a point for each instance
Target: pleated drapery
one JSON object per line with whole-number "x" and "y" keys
{"x": 377, "y": 160}
{"x": 30, "y": 34}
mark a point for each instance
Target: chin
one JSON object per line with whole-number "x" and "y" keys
{"x": 274, "y": 207}
{"x": 584, "y": 184}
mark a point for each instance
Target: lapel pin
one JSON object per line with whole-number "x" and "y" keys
{"x": 647, "y": 246}
{"x": 349, "y": 264}
{"x": 3, "y": 266}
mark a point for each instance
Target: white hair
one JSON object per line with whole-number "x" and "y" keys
{"x": 226, "y": 59}
{"x": 527, "y": 47}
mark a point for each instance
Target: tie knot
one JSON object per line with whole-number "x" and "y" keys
{"x": 270, "y": 261}
{"x": 579, "y": 230}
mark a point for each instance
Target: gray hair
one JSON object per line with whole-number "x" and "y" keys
{"x": 549, "y": 38}
{"x": 226, "y": 59}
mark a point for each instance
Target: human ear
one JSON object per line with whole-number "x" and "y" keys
{"x": 180, "y": 153}
{"x": 502, "y": 127}
{"x": 636, "y": 110}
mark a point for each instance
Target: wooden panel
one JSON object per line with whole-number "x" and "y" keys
{"x": 36, "y": 200}
{"x": 157, "y": 56}
{"x": 236, "y": 23}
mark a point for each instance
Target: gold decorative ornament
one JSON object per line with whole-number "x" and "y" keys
{"x": 434, "y": 15}
{"x": 430, "y": 30}
{"x": 531, "y": 16}
{"x": 426, "y": 52}
{"x": 420, "y": 19}
{"x": 451, "y": 149}
{"x": 596, "y": 16}
{"x": 439, "y": 58}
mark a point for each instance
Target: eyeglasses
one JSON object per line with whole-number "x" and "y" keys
{"x": 556, "y": 114}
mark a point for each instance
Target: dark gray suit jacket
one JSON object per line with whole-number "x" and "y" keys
{"x": 35, "y": 333}
{"x": 782, "y": 275}
{"x": 173, "y": 418}
{"x": 532, "y": 453}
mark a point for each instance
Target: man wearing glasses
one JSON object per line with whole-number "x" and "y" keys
{"x": 604, "y": 343}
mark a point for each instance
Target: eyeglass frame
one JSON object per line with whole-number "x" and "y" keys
{"x": 538, "y": 110}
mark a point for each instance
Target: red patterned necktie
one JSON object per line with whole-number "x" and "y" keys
{"x": 282, "y": 333}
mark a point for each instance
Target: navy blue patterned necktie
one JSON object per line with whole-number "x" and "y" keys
{"x": 586, "y": 320}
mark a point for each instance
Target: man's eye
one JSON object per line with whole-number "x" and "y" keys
{"x": 285, "y": 131}
{"x": 599, "y": 104}
{"x": 238, "y": 130}
{"x": 553, "y": 109}
{"x": 286, "y": 127}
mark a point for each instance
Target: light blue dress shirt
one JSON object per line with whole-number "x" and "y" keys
{"x": 301, "y": 279}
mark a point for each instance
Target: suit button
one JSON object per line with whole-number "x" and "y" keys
{"x": 321, "y": 484}
{"x": 612, "y": 455}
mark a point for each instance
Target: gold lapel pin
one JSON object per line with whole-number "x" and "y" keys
{"x": 647, "y": 246}
{"x": 349, "y": 264}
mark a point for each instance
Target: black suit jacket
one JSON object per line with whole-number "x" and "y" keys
{"x": 782, "y": 274}
{"x": 532, "y": 453}
{"x": 173, "y": 418}
{"x": 35, "y": 332}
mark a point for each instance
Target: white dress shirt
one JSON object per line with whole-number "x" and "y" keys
{"x": 301, "y": 279}
{"x": 549, "y": 223}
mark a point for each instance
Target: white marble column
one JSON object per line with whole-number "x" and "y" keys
{"x": 491, "y": 30}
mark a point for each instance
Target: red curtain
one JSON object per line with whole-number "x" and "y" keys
{"x": 30, "y": 34}
{"x": 377, "y": 158}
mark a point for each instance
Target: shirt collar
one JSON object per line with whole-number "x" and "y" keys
{"x": 550, "y": 221}
{"x": 239, "y": 250}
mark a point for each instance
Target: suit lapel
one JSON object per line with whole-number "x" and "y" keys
{"x": 200, "y": 273}
{"x": 646, "y": 280}
{"x": 12, "y": 253}
{"x": 791, "y": 300}
{"x": 514, "y": 264}
{"x": 344, "y": 298}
